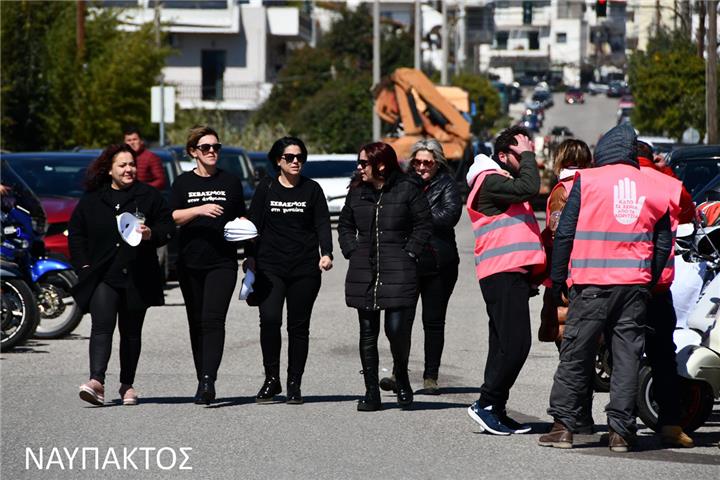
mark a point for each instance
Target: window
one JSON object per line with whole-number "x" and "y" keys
{"x": 527, "y": 9}
{"x": 213, "y": 70}
{"x": 534, "y": 40}
{"x": 501, "y": 39}
{"x": 561, "y": 37}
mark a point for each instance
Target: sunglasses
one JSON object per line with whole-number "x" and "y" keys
{"x": 363, "y": 163}
{"x": 291, "y": 157}
{"x": 425, "y": 163}
{"x": 206, "y": 147}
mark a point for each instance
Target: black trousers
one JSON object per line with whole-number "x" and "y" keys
{"x": 619, "y": 311}
{"x": 300, "y": 294}
{"x": 397, "y": 330}
{"x": 660, "y": 351}
{"x": 506, "y": 296}
{"x": 108, "y": 305}
{"x": 435, "y": 292}
{"x": 207, "y": 295}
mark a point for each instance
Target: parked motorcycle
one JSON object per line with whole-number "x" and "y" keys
{"x": 19, "y": 315}
{"x": 698, "y": 337}
{"x": 50, "y": 279}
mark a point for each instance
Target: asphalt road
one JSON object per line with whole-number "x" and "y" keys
{"x": 44, "y": 424}
{"x": 588, "y": 121}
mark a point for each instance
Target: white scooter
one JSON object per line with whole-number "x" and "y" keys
{"x": 696, "y": 294}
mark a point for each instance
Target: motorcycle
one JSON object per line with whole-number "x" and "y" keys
{"x": 698, "y": 337}
{"x": 50, "y": 279}
{"x": 19, "y": 315}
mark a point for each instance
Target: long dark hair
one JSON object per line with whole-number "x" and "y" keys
{"x": 378, "y": 153}
{"x": 97, "y": 172}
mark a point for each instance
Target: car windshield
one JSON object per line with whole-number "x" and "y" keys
{"x": 696, "y": 173}
{"x": 52, "y": 176}
{"x": 329, "y": 169}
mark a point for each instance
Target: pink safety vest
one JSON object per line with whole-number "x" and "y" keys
{"x": 567, "y": 184}
{"x": 613, "y": 242}
{"x": 673, "y": 187}
{"x": 507, "y": 241}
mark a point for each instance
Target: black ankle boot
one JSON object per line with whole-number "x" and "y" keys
{"x": 270, "y": 388}
{"x": 294, "y": 397}
{"x": 206, "y": 391}
{"x": 370, "y": 402}
{"x": 404, "y": 390}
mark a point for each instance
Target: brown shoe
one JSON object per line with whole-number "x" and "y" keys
{"x": 672, "y": 436}
{"x": 559, "y": 437}
{"x": 617, "y": 443}
{"x": 93, "y": 392}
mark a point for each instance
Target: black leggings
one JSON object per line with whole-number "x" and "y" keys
{"x": 107, "y": 305}
{"x": 397, "y": 330}
{"x": 207, "y": 295}
{"x": 300, "y": 294}
{"x": 435, "y": 291}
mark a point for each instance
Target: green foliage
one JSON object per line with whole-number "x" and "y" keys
{"x": 84, "y": 100}
{"x": 484, "y": 95}
{"x": 668, "y": 83}
{"x": 323, "y": 94}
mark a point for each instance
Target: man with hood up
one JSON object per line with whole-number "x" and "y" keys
{"x": 508, "y": 258}
{"x": 614, "y": 236}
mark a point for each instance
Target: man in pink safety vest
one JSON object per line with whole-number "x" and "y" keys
{"x": 508, "y": 252}
{"x": 615, "y": 237}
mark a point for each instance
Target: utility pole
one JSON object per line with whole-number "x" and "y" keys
{"x": 460, "y": 50}
{"x": 80, "y": 30}
{"x": 701, "y": 30}
{"x": 711, "y": 111}
{"x": 158, "y": 43}
{"x": 445, "y": 46}
{"x": 418, "y": 34}
{"x": 376, "y": 64}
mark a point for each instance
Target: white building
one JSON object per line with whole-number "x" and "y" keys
{"x": 227, "y": 52}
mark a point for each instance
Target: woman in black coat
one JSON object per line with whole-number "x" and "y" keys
{"x": 382, "y": 230}
{"x": 117, "y": 281}
{"x": 438, "y": 262}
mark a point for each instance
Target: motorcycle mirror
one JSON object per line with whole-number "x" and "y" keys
{"x": 685, "y": 230}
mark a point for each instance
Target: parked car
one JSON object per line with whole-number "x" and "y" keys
{"x": 660, "y": 145}
{"x": 261, "y": 164}
{"x": 616, "y": 89}
{"x": 531, "y": 122}
{"x": 597, "y": 88}
{"x": 544, "y": 97}
{"x": 627, "y": 101}
{"x": 574, "y": 95}
{"x": 623, "y": 115}
{"x": 333, "y": 172}
{"x": 57, "y": 179}
{"x": 233, "y": 160}
{"x": 695, "y": 165}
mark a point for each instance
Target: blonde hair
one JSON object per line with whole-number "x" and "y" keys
{"x": 572, "y": 153}
{"x": 432, "y": 146}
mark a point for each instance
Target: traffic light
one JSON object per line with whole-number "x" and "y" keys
{"x": 527, "y": 9}
{"x": 601, "y": 8}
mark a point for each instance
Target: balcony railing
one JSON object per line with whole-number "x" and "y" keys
{"x": 228, "y": 95}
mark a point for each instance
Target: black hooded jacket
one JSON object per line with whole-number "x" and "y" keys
{"x": 617, "y": 146}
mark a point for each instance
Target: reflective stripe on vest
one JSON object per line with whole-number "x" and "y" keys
{"x": 673, "y": 187}
{"x": 613, "y": 244}
{"x": 507, "y": 241}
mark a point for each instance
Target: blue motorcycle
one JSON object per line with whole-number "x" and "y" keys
{"x": 50, "y": 279}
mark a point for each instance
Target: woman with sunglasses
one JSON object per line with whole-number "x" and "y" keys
{"x": 293, "y": 248}
{"x": 203, "y": 201}
{"x": 383, "y": 228}
{"x": 438, "y": 262}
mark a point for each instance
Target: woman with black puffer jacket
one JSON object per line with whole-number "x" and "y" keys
{"x": 438, "y": 262}
{"x": 383, "y": 229}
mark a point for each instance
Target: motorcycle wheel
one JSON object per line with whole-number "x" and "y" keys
{"x": 59, "y": 315}
{"x": 19, "y": 315}
{"x": 696, "y": 402}
{"x": 603, "y": 369}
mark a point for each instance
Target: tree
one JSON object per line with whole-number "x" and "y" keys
{"x": 323, "y": 93}
{"x": 73, "y": 101}
{"x": 668, "y": 83}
